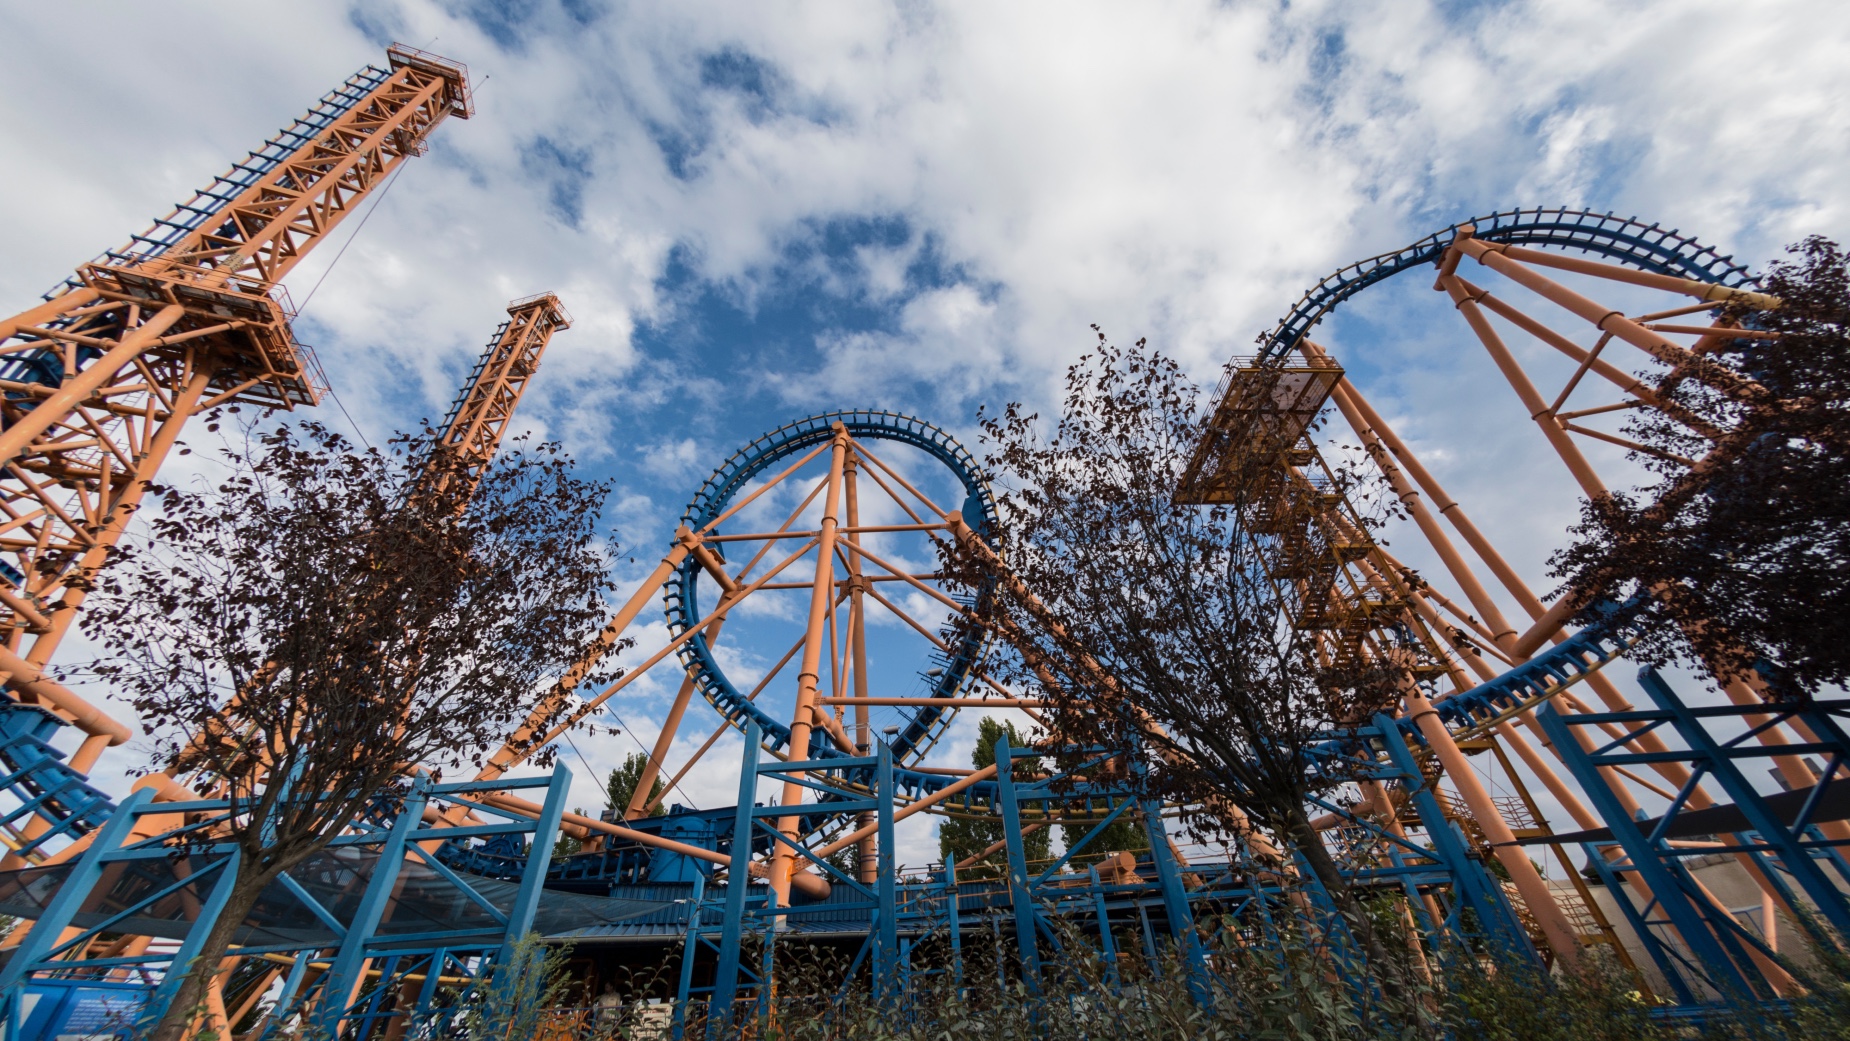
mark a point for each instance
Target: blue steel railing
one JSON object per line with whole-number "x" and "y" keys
{"x": 42, "y": 786}
{"x": 1546, "y": 674}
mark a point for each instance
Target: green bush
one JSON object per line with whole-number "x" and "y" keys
{"x": 1288, "y": 984}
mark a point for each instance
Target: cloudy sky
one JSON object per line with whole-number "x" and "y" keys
{"x": 760, "y": 211}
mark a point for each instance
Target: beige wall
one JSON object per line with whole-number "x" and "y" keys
{"x": 1732, "y": 886}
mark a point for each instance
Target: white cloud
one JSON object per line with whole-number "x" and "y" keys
{"x": 675, "y": 459}
{"x": 1571, "y": 139}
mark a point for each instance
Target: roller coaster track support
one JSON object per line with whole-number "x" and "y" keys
{"x": 839, "y": 790}
{"x": 97, "y": 381}
{"x": 844, "y": 443}
{"x": 1547, "y": 320}
{"x": 1701, "y": 948}
{"x": 381, "y": 921}
{"x": 821, "y": 602}
{"x": 471, "y": 432}
{"x": 880, "y": 951}
{"x": 1421, "y": 854}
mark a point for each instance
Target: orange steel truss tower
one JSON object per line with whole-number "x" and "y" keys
{"x": 98, "y": 379}
{"x": 479, "y": 417}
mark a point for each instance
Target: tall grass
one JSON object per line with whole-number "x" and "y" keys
{"x": 1289, "y": 986}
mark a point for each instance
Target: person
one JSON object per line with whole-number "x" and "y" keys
{"x": 609, "y": 1006}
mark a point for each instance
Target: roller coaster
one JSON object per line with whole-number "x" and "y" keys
{"x": 417, "y": 904}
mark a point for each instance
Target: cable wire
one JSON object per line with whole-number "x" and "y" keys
{"x": 364, "y": 217}
{"x": 316, "y": 288}
{"x": 338, "y": 403}
{"x": 581, "y": 756}
{"x": 648, "y": 754}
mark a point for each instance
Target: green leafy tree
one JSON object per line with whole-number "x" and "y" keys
{"x": 1126, "y": 834}
{"x": 960, "y": 838}
{"x": 1148, "y": 620}
{"x": 620, "y": 786}
{"x": 329, "y": 615}
{"x": 567, "y": 846}
{"x": 519, "y": 998}
{"x": 1743, "y": 541}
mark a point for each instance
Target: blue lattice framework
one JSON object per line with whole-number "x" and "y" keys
{"x": 348, "y": 908}
{"x": 879, "y": 951}
{"x": 45, "y": 789}
{"x": 1539, "y": 679}
{"x": 1703, "y": 950}
{"x": 1036, "y": 894}
{"x": 1049, "y": 906}
{"x": 898, "y": 914}
{"x": 1445, "y": 868}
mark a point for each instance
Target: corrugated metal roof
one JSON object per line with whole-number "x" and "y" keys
{"x": 922, "y": 910}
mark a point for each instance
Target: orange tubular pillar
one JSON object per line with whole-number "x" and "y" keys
{"x": 640, "y": 800}
{"x": 1531, "y": 398}
{"x": 1498, "y": 258}
{"x": 1373, "y": 431}
{"x": 640, "y": 804}
{"x": 1503, "y": 631}
{"x": 517, "y": 747}
{"x": 821, "y": 603}
{"x": 1370, "y": 422}
{"x": 865, "y": 862}
{"x": 1605, "y": 319}
{"x": 1547, "y": 622}
{"x": 1535, "y": 893}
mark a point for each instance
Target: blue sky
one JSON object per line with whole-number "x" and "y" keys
{"x": 761, "y": 211}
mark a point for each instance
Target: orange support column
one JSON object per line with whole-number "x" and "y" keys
{"x": 1792, "y": 769}
{"x": 1501, "y": 629}
{"x": 184, "y": 405}
{"x": 187, "y": 316}
{"x": 515, "y": 748}
{"x": 640, "y": 804}
{"x": 865, "y": 854}
{"x": 821, "y": 602}
{"x": 1555, "y": 928}
{"x": 1564, "y": 446}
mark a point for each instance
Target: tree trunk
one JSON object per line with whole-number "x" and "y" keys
{"x": 189, "y": 1000}
{"x": 1310, "y": 844}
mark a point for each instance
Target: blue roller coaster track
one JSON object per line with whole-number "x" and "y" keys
{"x": 1650, "y": 247}
{"x": 717, "y": 494}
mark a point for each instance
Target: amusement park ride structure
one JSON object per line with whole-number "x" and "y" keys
{"x": 422, "y": 899}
